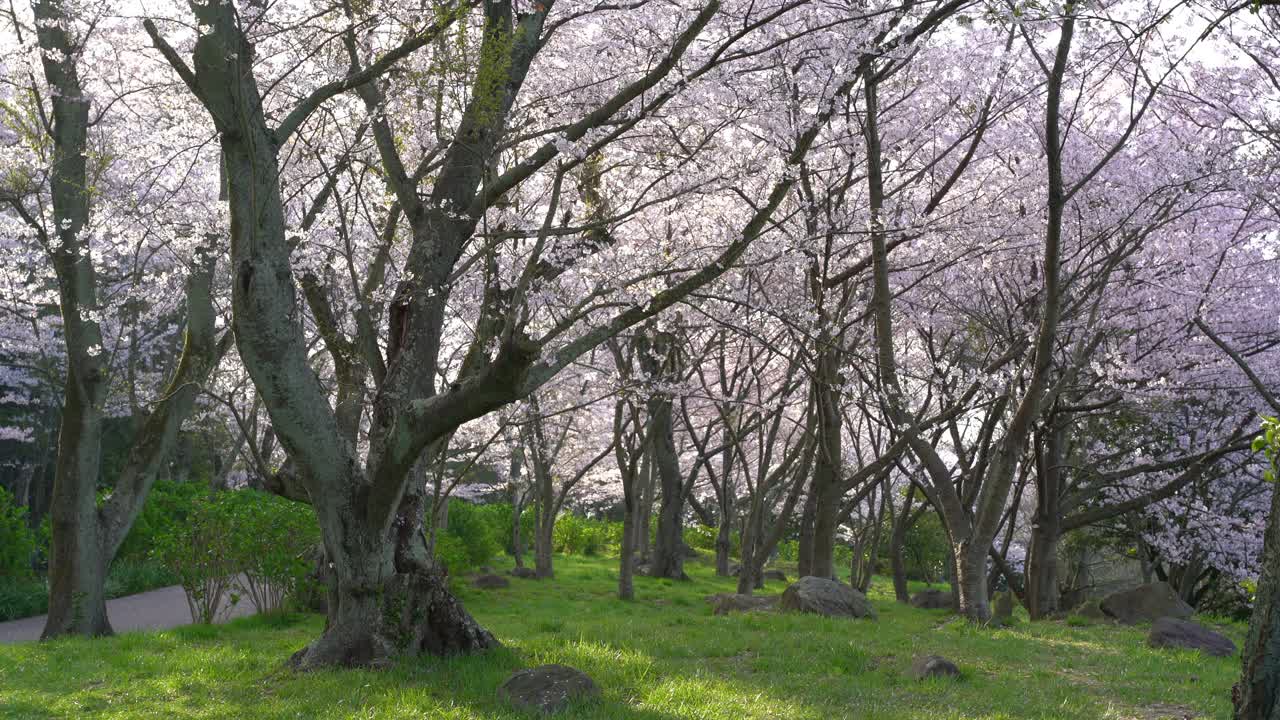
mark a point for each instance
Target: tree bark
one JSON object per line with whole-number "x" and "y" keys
{"x": 387, "y": 599}
{"x": 897, "y": 541}
{"x": 1257, "y": 695}
{"x": 668, "y": 551}
{"x": 1043, "y": 594}
{"x": 517, "y": 505}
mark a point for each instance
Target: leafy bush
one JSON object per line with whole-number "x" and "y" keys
{"x": 201, "y": 553}
{"x": 242, "y": 541}
{"x": 22, "y": 597}
{"x": 479, "y": 530}
{"x": 168, "y": 506}
{"x": 576, "y": 535}
{"x": 700, "y": 537}
{"x": 271, "y": 546}
{"x": 703, "y": 537}
{"x": 926, "y": 550}
{"x": 452, "y": 553}
{"x": 17, "y": 542}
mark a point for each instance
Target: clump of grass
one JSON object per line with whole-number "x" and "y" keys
{"x": 653, "y": 660}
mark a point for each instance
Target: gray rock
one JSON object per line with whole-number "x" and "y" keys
{"x": 726, "y": 603}
{"x": 1146, "y": 603}
{"x": 775, "y": 575}
{"x": 1168, "y": 632}
{"x": 527, "y": 573}
{"x": 932, "y": 666}
{"x": 932, "y": 599}
{"x": 826, "y": 597}
{"x": 547, "y": 688}
{"x": 490, "y": 582}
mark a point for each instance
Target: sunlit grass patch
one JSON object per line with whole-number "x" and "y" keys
{"x": 661, "y": 657}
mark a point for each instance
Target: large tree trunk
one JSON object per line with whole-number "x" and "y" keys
{"x": 1043, "y": 594}
{"x": 827, "y": 484}
{"x": 1046, "y": 527}
{"x": 1257, "y": 695}
{"x": 77, "y": 561}
{"x": 751, "y": 528}
{"x": 668, "y": 551}
{"x": 545, "y": 526}
{"x": 387, "y": 597}
{"x": 971, "y": 580}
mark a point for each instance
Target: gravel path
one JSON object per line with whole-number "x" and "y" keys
{"x": 153, "y": 610}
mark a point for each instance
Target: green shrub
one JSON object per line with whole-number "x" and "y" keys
{"x": 240, "y": 541}
{"x": 576, "y": 535}
{"x": 168, "y": 505}
{"x": 478, "y": 528}
{"x": 22, "y": 597}
{"x": 703, "y": 537}
{"x": 17, "y": 542}
{"x": 201, "y": 553}
{"x": 271, "y": 545}
{"x": 452, "y": 553}
{"x": 700, "y": 537}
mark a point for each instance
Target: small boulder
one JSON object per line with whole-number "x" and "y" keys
{"x": 932, "y": 599}
{"x": 826, "y": 597}
{"x": 1146, "y": 603}
{"x": 1168, "y": 632}
{"x": 547, "y": 688}
{"x": 490, "y": 582}
{"x": 924, "y": 667}
{"x": 726, "y": 603}
{"x": 527, "y": 573}
{"x": 775, "y": 575}
{"x": 735, "y": 569}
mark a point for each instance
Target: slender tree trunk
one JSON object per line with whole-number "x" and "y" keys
{"x": 897, "y": 541}
{"x": 627, "y": 558}
{"x": 542, "y": 566}
{"x": 644, "y": 512}
{"x": 517, "y": 505}
{"x": 724, "y": 541}
{"x": 808, "y": 521}
{"x": 750, "y": 531}
{"x": 517, "y": 536}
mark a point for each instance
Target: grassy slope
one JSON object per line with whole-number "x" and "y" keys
{"x": 663, "y": 656}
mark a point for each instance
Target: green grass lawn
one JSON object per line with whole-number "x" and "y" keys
{"x": 663, "y": 656}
